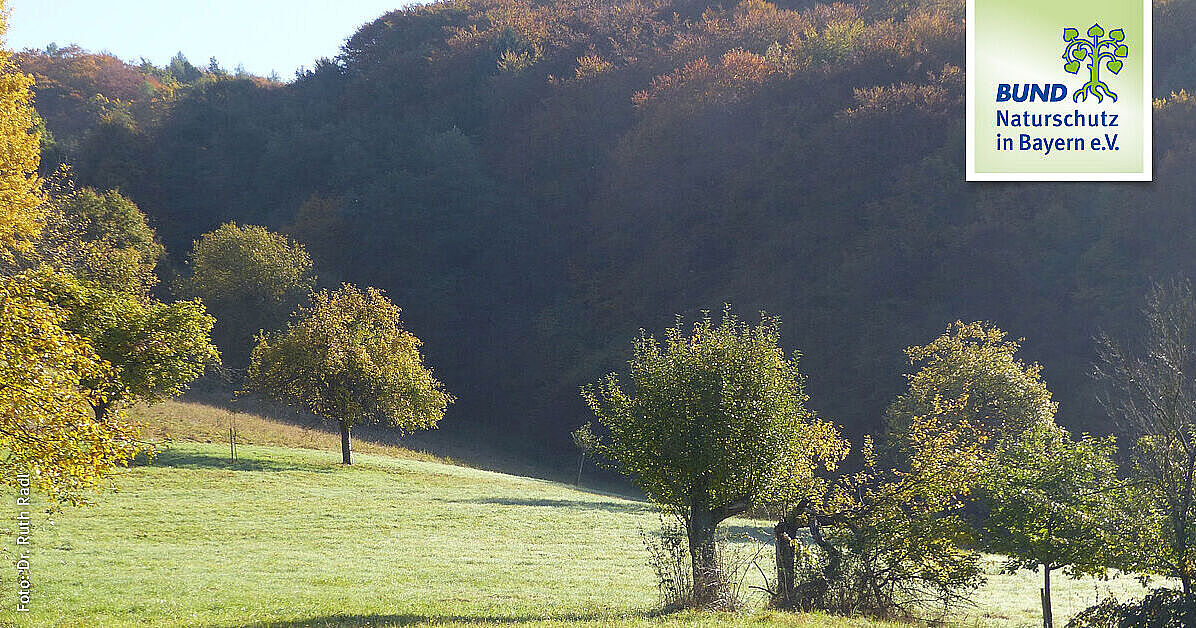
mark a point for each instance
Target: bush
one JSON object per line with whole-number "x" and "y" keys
{"x": 669, "y": 556}
{"x": 1162, "y": 608}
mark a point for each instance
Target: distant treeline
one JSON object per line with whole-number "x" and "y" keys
{"x": 531, "y": 180}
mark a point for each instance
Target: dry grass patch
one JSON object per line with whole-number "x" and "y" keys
{"x": 204, "y": 423}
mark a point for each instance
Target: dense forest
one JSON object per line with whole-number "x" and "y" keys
{"x": 532, "y": 180}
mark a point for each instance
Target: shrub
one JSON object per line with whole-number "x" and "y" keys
{"x": 669, "y": 556}
{"x": 1162, "y": 608}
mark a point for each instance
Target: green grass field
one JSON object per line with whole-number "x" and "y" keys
{"x": 288, "y": 537}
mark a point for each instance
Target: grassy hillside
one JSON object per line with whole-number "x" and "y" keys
{"x": 288, "y": 537}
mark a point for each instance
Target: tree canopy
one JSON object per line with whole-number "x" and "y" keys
{"x": 715, "y": 421}
{"x": 250, "y": 278}
{"x": 975, "y": 363}
{"x": 21, "y": 192}
{"x": 537, "y": 178}
{"x": 347, "y": 359}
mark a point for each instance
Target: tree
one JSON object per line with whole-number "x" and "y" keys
{"x": 716, "y": 422}
{"x": 1051, "y": 504}
{"x": 346, "y": 358}
{"x": 153, "y": 350}
{"x": 1149, "y": 390}
{"x": 182, "y": 70}
{"x": 21, "y": 193}
{"x": 108, "y": 254}
{"x": 890, "y": 542}
{"x": 975, "y": 361}
{"x": 102, "y": 238}
{"x": 250, "y": 278}
{"x": 47, "y": 428}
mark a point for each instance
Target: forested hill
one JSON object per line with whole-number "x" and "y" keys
{"x": 533, "y": 180}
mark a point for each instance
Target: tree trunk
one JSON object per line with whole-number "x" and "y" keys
{"x": 833, "y": 571}
{"x": 707, "y": 580}
{"x": 783, "y": 533}
{"x": 1048, "y": 619}
{"x": 346, "y": 447}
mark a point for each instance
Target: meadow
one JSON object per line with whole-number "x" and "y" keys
{"x": 286, "y": 536}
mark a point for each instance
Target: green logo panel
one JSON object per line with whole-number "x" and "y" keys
{"x": 1059, "y": 90}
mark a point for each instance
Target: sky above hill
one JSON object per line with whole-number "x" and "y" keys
{"x": 263, "y": 35}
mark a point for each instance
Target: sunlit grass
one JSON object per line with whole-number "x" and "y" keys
{"x": 289, "y": 537}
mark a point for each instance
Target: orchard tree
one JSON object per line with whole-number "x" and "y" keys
{"x": 250, "y": 279}
{"x": 108, "y": 254}
{"x": 715, "y": 421}
{"x": 890, "y": 541}
{"x": 154, "y": 350}
{"x": 1051, "y": 505}
{"x": 346, "y": 358}
{"x": 1150, "y": 393}
{"x": 977, "y": 362}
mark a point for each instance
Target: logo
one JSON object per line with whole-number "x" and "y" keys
{"x": 1098, "y": 51}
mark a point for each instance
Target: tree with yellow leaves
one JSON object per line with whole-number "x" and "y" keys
{"x": 21, "y": 194}
{"x": 48, "y": 428}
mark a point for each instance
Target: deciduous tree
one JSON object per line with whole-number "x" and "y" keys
{"x": 249, "y": 278}
{"x": 715, "y": 421}
{"x": 346, "y": 358}
{"x": 21, "y": 194}
{"x": 977, "y": 362}
{"x": 101, "y": 238}
{"x": 891, "y": 541}
{"x": 153, "y": 350}
{"x": 47, "y": 427}
{"x": 1052, "y": 503}
{"x": 1150, "y": 392}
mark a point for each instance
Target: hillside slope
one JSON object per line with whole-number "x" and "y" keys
{"x": 289, "y": 537}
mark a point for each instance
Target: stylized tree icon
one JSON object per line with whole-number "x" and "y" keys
{"x": 1097, "y": 50}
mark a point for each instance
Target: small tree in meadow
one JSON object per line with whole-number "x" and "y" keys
{"x": 714, "y": 422}
{"x": 346, "y": 358}
{"x": 1052, "y": 503}
{"x": 891, "y": 538}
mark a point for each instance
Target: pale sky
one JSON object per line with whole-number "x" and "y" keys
{"x": 263, "y": 35}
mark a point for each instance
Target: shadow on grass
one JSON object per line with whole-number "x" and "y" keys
{"x": 619, "y": 507}
{"x": 194, "y": 460}
{"x": 406, "y": 619}
{"x": 759, "y": 534}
